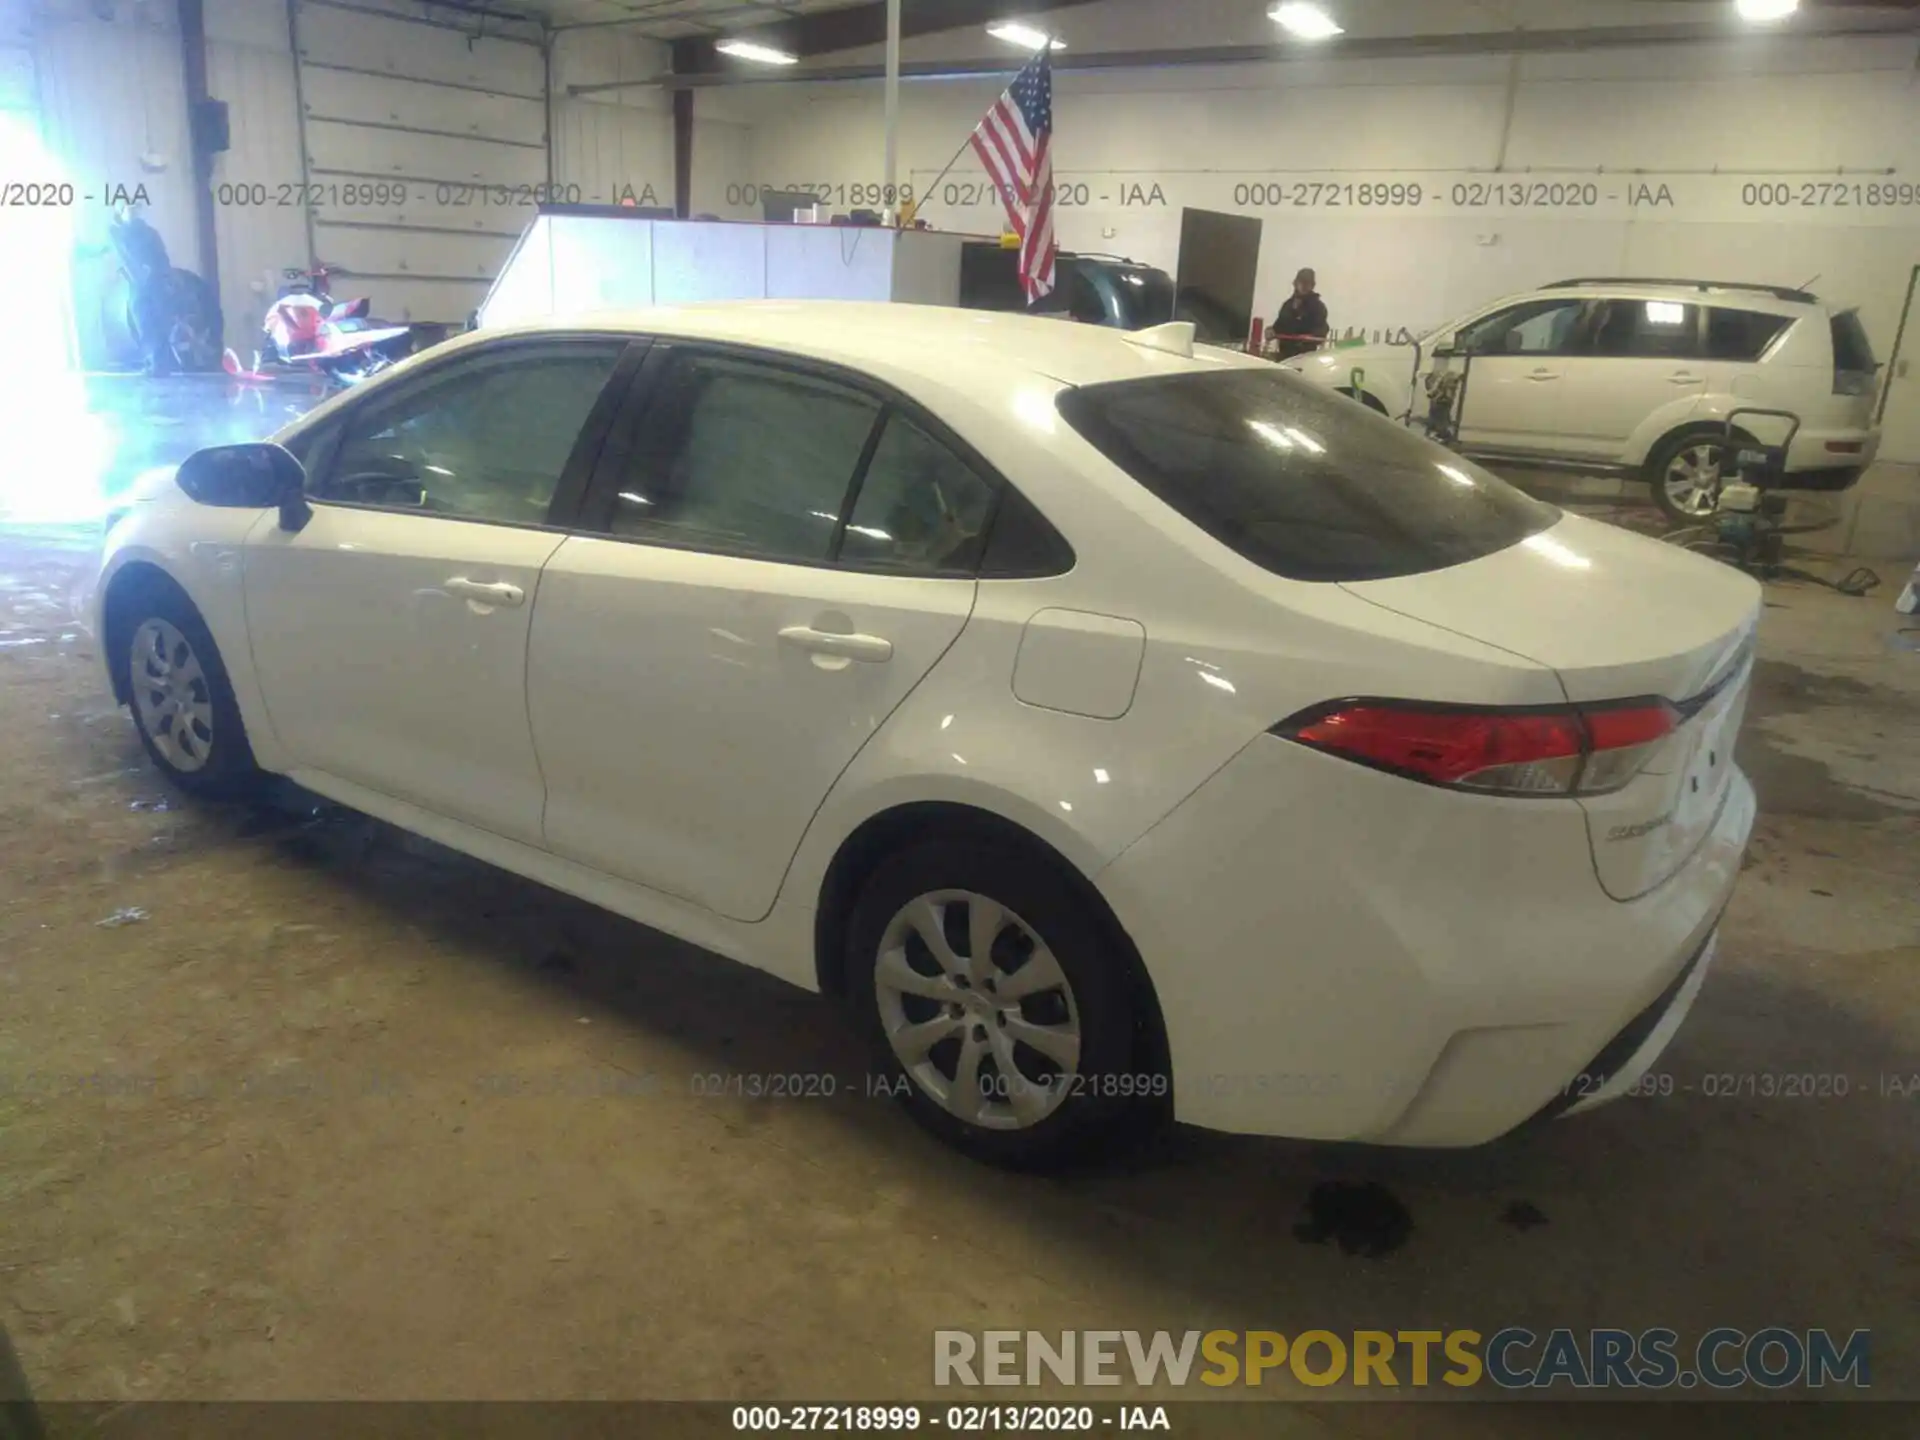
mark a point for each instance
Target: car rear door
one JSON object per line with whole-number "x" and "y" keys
{"x": 390, "y": 632}
{"x": 1639, "y": 357}
{"x": 779, "y": 552}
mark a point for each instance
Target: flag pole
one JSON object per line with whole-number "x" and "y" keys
{"x": 890, "y": 193}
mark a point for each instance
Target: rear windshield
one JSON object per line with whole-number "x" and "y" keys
{"x": 1306, "y": 483}
{"x": 1852, "y": 351}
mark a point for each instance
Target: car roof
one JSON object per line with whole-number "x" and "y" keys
{"x": 929, "y": 343}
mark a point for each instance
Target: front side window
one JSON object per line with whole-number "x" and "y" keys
{"x": 747, "y": 458}
{"x": 1539, "y": 327}
{"x": 1646, "y": 329}
{"x": 484, "y": 438}
{"x": 1299, "y": 480}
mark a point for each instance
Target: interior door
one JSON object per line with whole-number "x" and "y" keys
{"x": 1639, "y": 357}
{"x": 390, "y": 632}
{"x": 785, "y": 555}
{"x": 1516, "y": 383}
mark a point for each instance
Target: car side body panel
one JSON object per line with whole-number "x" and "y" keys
{"x": 202, "y": 549}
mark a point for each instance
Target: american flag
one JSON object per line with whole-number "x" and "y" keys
{"x": 1015, "y": 143}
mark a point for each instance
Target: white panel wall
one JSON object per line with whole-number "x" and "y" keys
{"x": 1611, "y": 168}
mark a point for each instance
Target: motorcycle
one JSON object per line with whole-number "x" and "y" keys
{"x": 167, "y": 317}
{"x": 307, "y": 327}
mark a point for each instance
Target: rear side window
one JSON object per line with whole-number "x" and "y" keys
{"x": 1742, "y": 335}
{"x": 1646, "y": 329}
{"x": 748, "y": 459}
{"x": 1301, "y": 481}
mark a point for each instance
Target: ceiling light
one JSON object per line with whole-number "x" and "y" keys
{"x": 1308, "y": 22}
{"x": 1025, "y": 36}
{"x": 1766, "y": 9}
{"x": 759, "y": 54}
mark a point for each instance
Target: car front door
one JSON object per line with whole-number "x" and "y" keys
{"x": 390, "y": 632}
{"x": 1515, "y": 394}
{"x": 1638, "y": 358}
{"x": 784, "y": 553}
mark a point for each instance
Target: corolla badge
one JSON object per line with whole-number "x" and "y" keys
{"x": 1634, "y": 832}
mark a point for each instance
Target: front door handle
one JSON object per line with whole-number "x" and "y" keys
{"x": 1544, "y": 374}
{"x": 869, "y": 648}
{"x": 500, "y": 594}
{"x": 1683, "y": 378}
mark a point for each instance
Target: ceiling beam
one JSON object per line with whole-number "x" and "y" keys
{"x": 1812, "y": 25}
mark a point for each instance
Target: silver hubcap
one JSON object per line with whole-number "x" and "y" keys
{"x": 1693, "y": 480}
{"x": 171, "y": 693}
{"x": 977, "y": 1010}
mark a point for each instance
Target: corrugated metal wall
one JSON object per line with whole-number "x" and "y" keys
{"x": 618, "y": 143}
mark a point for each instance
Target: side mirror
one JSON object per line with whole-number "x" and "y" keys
{"x": 255, "y": 476}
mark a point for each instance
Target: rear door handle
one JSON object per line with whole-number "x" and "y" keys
{"x": 500, "y": 594}
{"x": 1684, "y": 378}
{"x": 1544, "y": 374}
{"x": 869, "y": 648}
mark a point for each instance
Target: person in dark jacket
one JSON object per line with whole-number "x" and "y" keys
{"x": 1302, "y": 323}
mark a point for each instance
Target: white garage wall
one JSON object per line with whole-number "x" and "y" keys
{"x": 1652, "y": 124}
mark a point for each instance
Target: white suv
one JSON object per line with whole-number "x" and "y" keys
{"x": 1639, "y": 375}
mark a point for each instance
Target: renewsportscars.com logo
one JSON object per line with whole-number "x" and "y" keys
{"x": 1515, "y": 1358}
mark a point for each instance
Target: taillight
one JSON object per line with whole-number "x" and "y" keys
{"x": 1567, "y": 750}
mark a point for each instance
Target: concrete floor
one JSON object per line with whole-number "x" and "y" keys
{"x": 346, "y": 1114}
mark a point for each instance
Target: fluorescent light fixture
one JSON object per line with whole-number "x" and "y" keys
{"x": 1307, "y": 22}
{"x": 1764, "y": 10}
{"x": 759, "y": 54}
{"x": 1666, "y": 312}
{"x": 1025, "y": 36}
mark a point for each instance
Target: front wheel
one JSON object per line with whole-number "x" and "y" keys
{"x": 182, "y": 701}
{"x": 1684, "y": 472}
{"x": 998, "y": 1008}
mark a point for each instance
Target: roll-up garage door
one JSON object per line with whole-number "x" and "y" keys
{"x": 426, "y": 150}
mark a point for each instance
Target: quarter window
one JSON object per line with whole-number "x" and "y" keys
{"x": 921, "y": 508}
{"x": 485, "y": 438}
{"x": 1741, "y": 335}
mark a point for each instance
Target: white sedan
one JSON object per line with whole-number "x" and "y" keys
{"x": 1114, "y": 726}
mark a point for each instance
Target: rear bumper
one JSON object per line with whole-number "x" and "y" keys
{"x": 1341, "y": 955}
{"x": 1830, "y": 459}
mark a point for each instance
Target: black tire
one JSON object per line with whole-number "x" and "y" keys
{"x": 1104, "y": 1087}
{"x": 212, "y": 760}
{"x": 1663, "y": 459}
{"x": 1365, "y": 399}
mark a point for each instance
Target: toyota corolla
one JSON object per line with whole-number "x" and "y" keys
{"x": 1111, "y": 724}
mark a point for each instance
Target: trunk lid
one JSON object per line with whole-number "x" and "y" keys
{"x": 1616, "y": 616}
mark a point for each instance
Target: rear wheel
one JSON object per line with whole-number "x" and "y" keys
{"x": 1684, "y": 471}
{"x": 181, "y": 699}
{"x": 995, "y": 1004}
{"x": 1365, "y": 399}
